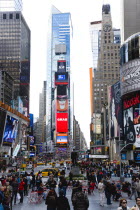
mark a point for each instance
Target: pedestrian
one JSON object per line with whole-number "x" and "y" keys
{"x": 80, "y": 200}
{"x": 138, "y": 186}
{"x": 51, "y": 200}
{"x": 134, "y": 189}
{"x": 108, "y": 193}
{"x": 21, "y": 190}
{"x": 123, "y": 205}
{"x": 101, "y": 190}
{"x": 137, "y": 206}
{"x": 62, "y": 202}
{"x": 14, "y": 190}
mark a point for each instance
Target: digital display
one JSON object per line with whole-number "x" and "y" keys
{"x": 61, "y": 77}
{"x": 62, "y": 139}
{"x": 10, "y": 132}
{"x": 2, "y": 123}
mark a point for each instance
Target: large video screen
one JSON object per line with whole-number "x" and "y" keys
{"x": 131, "y": 116}
{"x": 2, "y": 123}
{"x": 11, "y": 129}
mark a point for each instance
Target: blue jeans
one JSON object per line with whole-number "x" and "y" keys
{"x": 64, "y": 188}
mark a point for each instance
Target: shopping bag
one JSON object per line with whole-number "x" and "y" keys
{"x": 18, "y": 196}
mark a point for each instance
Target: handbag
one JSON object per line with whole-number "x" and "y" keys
{"x": 18, "y": 196}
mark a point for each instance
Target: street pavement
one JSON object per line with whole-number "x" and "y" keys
{"x": 93, "y": 202}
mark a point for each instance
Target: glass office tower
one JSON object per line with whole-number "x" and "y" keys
{"x": 15, "y": 52}
{"x": 59, "y": 41}
{"x": 10, "y": 5}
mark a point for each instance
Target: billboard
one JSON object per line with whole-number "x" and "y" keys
{"x": 61, "y": 66}
{"x": 10, "y": 132}
{"x": 2, "y": 123}
{"x": 130, "y": 77}
{"x": 97, "y": 123}
{"x": 131, "y": 115}
{"x": 62, "y": 91}
{"x": 115, "y": 108}
{"x": 61, "y": 78}
{"x": 62, "y": 122}
{"x": 62, "y": 105}
{"x": 62, "y": 138}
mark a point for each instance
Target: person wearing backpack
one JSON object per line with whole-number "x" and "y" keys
{"x": 62, "y": 201}
{"x": 80, "y": 200}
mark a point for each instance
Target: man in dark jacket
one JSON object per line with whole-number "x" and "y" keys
{"x": 80, "y": 200}
{"x": 14, "y": 190}
{"x": 62, "y": 202}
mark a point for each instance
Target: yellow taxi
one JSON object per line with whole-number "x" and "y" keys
{"x": 40, "y": 163}
{"x": 48, "y": 171}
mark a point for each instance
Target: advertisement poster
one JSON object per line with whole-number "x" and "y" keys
{"x": 11, "y": 129}
{"x": 2, "y": 123}
{"x": 137, "y": 135}
{"x": 61, "y": 91}
{"x": 62, "y": 105}
{"x": 115, "y": 111}
{"x": 61, "y": 139}
{"x": 61, "y": 78}
{"x": 62, "y": 122}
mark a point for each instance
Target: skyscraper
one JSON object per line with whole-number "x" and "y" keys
{"x": 130, "y": 12}
{"x": 105, "y": 42}
{"x": 10, "y": 5}
{"x": 106, "y": 65}
{"x": 58, "y": 71}
{"x": 15, "y": 52}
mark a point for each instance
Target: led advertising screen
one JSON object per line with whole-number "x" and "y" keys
{"x": 2, "y": 123}
{"x": 11, "y": 129}
{"x": 62, "y": 122}
{"x": 115, "y": 106}
{"x": 62, "y": 105}
{"x": 61, "y": 78}
{"x": 62, "y": 138}
{"x": 61, "y": 66}
{"x": 131, "y": 120}
{"x": 61, "y": 90}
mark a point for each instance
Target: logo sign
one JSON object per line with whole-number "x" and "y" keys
{"x": 127, "y": 103}
{"x": 130, "y": 77}
{"x": 61, "y": 78}
{"x": 62, "y": 122}
{"x": 62, "y": 105}
{"x": 61, "y": 66}
{"x": 62, "y": 138}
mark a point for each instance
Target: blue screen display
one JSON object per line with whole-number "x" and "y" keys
{"x": 11, "y": 130}
{"x": 61, "y": 77}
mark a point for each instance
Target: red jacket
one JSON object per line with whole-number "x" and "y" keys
{"x": 21, "y": 185}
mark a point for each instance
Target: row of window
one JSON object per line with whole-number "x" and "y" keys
{"x": 11, "y": 16}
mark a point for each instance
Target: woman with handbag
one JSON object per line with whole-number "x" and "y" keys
{"x": 51, "y": 200}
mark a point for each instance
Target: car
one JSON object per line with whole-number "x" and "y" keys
{"x": 48, "y": 171}
{"x": 40, "y": 163}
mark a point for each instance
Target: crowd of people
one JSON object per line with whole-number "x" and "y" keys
{"x": 13, "y": 188}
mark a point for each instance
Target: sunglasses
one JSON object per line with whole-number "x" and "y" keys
{"x": 124, "y": 202}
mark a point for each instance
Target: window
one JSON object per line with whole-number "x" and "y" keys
{"x": 11, "y": 16}
{"x": 17, "y": 16}
{"x": 4, "y": 16}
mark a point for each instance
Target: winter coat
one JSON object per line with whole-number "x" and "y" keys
{"x": 51, "y": 201}
{"x": 80, "y": 201}
{"x": 135, "y": 208}
{"x": 15, "y": 186}
{"x": 62, "y": 203}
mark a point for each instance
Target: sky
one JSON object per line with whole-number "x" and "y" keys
{"x": 83, "y": 12}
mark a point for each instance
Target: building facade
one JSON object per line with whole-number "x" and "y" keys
{"x": 15, "y": 52}
{"x": 130, "y": 12}
{"x": 10, "y": 5}
{"x": 6, "y": 88}
{"x": 105, "y": 72}
{"x": 59, "y": 84}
